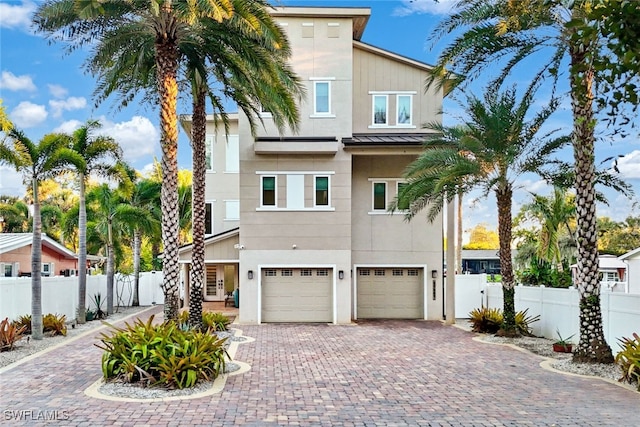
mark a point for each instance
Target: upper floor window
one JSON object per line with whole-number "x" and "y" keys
{"x": 380, "y": 106}
{"x": 232, "y": 159}
{"x": 403, "y": 109}
{"x": 321, "y": 192}
{"x": 268, "y": 191}
{"x": 210, "y": 145}
{"x": 402, "y": 206}
{"x": 379, "y": 196}
{"x": 321, "y": 97}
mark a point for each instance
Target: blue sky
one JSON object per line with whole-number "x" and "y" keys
{"x": 45, "y": 90}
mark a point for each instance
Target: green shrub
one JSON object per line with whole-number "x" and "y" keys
{"x": 10, "y": 332}
{"x": 629, "y": 359}
{"x": 489, "y": 320}
{"x": 161, "y": 354}
{"x": 54, "y": 324}
{"x": 541, "y": 272}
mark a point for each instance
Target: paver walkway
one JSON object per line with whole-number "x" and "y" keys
{"x": 392, "y": 373}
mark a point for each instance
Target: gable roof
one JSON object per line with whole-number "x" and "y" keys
{"x": 630, "y": 254}
{"x": 12, "y": 241}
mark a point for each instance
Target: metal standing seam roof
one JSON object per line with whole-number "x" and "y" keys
{"x": 378, "y": 139}
{"x": 13, "y": 241}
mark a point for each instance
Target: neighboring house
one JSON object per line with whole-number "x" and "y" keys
{"x": 613, "y": 273}
{"x": 15, "y": 256}
{"x": 632, "y": 261}
{"x": 299, "y": 222}
{"x": 475, "y": 261}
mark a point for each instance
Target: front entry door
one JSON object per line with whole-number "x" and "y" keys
{"x": 214, "y": 283}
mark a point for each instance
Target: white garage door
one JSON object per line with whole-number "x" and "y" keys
{"x": 297, "y": 295}
{"x": 390, "y": 293}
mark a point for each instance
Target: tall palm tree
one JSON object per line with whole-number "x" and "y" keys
{"x": 96, "y": 155}
{"x": 36, "y": 163}
{"x": 175, "y": 27}
{"x": 496, "y": 145}
{"x": 549, "y": 32}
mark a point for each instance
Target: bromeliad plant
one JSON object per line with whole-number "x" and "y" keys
{"x": 10, "y": 332}
{"x": 629, "y": 359}
{"x": 54, "y": 324}
{"x": 161, "y": 355}
{"x": 210, "y": 320}
{"x": 489, "y": 320}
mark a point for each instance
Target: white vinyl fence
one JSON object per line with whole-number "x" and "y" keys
{"x": 60, "y": 294}
{"x": 558, "y": 308}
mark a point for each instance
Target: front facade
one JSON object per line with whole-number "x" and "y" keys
{"x": 313, "y": 241}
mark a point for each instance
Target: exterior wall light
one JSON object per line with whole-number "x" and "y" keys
{"x": 341, "y": 274}
{"x": 434, "y": 274}
{"x": 250, "y": 274}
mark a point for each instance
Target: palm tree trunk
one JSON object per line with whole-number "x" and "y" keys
{"x": 504, "y": 196}
{"x": 36, "y": 268}
{"x": 81, "y": 316}
{"x": 198, "y": 208}
{"x": 167, "y": 65}
{"x": 137, "y": 243}
{"x": 110, "y": 268}
{"x": 592, "y": 346}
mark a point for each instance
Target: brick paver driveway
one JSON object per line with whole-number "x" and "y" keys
{"x": 374, "y": 373}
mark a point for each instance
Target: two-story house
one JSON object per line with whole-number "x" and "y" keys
{"x": 299, "y": 223}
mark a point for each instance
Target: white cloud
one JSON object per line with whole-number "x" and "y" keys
{"x": 68, "y": 127}
{"x": 11, "y": 182}
{"x": 9, "y": 81}
{"x": 69, "y": 104}
{"x": 409, "y": 7}
{"x": 629, "y": 165}
{"x": 138, "y": 137}
{"x": 57, "y": 91}
{"x": 16, "y": 16}
{"x": 538, "y": 187}
{"x": 27, "y": 115}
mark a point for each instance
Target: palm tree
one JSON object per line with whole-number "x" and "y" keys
{"x": 555, "y": 214}
{"x": 98, "y": 155}
{"x": 15, "y": 215}
{"x": 113, "y": 217}
{"x": 36, "y": 163}
{"x": 173, "y": 25}
{"x": 494, "y": 147}
{"x": 508, "y": 32}
{"x": 145, "y": 195}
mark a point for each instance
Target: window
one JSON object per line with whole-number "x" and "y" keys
{"x": 295, "y": 191}
{"x": 322, "y": 272}
{"x": 270, "y": 272}
{"x": 403, "y": 109}
{"x": 412, "y": 272}
{"x": 378, "y": 273}
{"x": 8, "y": 270}
{"x": 397, "y": 272}
{"x": 379, "y": 196}
{"x": 380, "y": 104}
{"x": 208, "y": 218}
{"x": 321, "y": 191}
{"x": 362, "y": 272}
{"x": 286, "y": 272}
{"x": 232, "y": 210}
{"x": 210, "y": 144}
{"x": 46, "y": 269}
{"x": 305, "y": 272}
{"x": 402, "y": 206}
{"x": 322, "y": 97}
{"x": 268, "y": 191}
{"x": 233, "y": 154}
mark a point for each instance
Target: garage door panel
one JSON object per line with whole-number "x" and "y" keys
{"x": 390, "y": 293}
{"x": 297, "y": 297}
